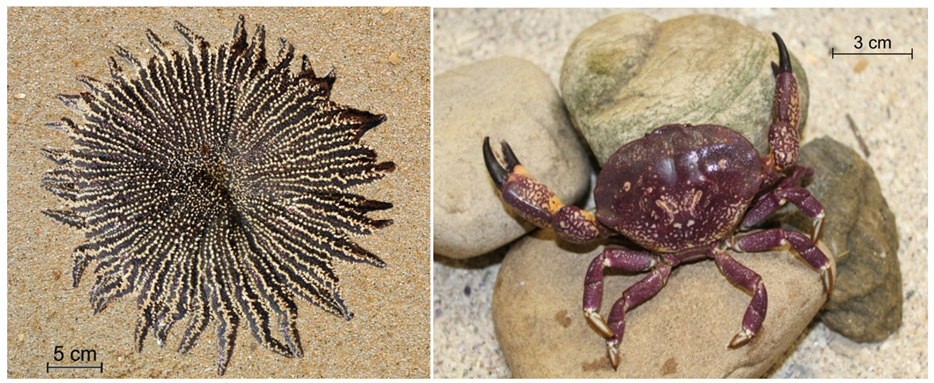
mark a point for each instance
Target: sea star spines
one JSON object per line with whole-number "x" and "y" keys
{"x": 218, "y": 185}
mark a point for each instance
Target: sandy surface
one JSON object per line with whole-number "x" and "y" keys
{"x": 382, "y": 60}
{"x": 887, "y": 96}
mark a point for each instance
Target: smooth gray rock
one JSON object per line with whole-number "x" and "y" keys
{"x": 629, "y": 74}
{"x": 866, "y": 305}
{"x": 506, "y": 99}
{"x": 681, "y": 332}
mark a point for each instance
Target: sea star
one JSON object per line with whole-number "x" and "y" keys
{"x": 218, "y": 185}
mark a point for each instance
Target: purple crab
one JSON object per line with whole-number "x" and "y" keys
{"x": 682, "y": 193}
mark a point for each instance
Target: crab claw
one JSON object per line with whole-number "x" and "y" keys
{"x": 529, "y": 198}
{"x": 497, "y": 172}
{"x": 784, "y": 61}
{"x": 509, "y": 156}
{"x": 786, "y": 112}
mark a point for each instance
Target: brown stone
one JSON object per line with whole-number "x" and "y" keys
{"x": 866, "y": 305}
{"x": 682, "y": 332}
{"x": 506, "y": 99}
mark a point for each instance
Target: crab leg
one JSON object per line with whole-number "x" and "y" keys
{"x": 534, "y": 202}
{"x": 771, "y": 238}
{"x": 787, "y": 190}
{"x": 627, "y": 260}
{"x": 750, "y": 280}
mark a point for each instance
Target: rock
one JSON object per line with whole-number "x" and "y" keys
{"x": 506, "y": 99}
{"x": 682, "y": 332}
{"x": 629, "y": 74}
{"x": 866, "y": 305}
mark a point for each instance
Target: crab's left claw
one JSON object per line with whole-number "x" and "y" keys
{"x": 497, "y": 172}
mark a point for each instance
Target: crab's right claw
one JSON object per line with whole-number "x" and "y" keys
{"x": 784, "y": 59}
{"x": 783, "y": 132}
{"x": 497, "y": 172}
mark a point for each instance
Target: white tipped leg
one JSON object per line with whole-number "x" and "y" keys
{"x": 826, "y": 277}
{"x": 741, "y": 338}
{"x": 817, "y": 224}
{"x": 599, "y": 323}
{"x": 613, "y": 352}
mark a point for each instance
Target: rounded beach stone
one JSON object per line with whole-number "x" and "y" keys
{"x": 681, "y": 332}
{"x": 866, "y": 305}
{"x": 506, "y": 99}
{"x": 629, "y": 74}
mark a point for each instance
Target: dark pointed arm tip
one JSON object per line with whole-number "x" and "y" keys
{"x": 497, "y": 172}
{"x": 784, "y": 63}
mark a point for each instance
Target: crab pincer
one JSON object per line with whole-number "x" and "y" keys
{"x": 534, "y": 202}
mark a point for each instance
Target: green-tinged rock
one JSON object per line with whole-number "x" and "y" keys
{"x": 629, "y": 74}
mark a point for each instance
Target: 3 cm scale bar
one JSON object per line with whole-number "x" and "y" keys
{"x": 832, "y": 54}
{"x": 49, "y": 367}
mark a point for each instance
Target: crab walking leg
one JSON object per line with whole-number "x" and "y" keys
{"x": 534, "y": 202}
{"x": 807, "y": 204}
{"x": 628, "y": 260}
{"x": 614, "y": 258}
{"x": 772, "y": 238}
{"x": 752, "y": 281}
{"x": 800, "y": 197}
{"x": 765, "y": 204}
{"x": 787, "y": 190}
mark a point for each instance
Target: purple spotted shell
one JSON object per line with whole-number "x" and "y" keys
{"x": 679, "y": 187}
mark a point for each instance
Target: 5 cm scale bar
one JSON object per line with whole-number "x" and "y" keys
{"x": 912, "y": 54}
{"x": 48, "y": 367}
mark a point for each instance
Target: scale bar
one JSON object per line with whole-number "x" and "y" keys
{"x": 50, "y": 367}
{"x": 832, "y": 54}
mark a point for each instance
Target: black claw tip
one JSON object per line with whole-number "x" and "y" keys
{"x": 497, "y": 173}
{"x": 509, "y": 156}
{"x": 784, "y": 63}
